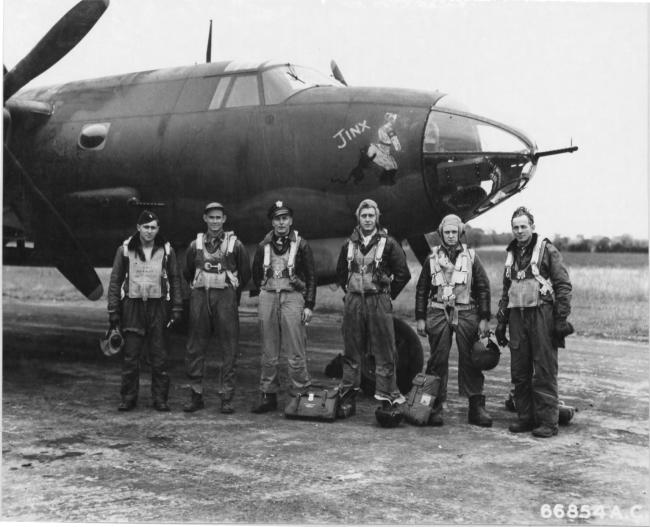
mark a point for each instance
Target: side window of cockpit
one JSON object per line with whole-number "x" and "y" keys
{"x": 220, "y": 92}
{"x": 245, "y": 92}
{"x": 197, "y": 94}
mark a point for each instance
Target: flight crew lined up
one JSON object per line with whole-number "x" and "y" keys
{"x": 452, "y": 296}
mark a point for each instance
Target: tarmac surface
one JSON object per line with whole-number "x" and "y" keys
{"x": 69, "y": 456}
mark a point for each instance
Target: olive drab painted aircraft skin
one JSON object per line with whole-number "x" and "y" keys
{"x": 83, "y": 158}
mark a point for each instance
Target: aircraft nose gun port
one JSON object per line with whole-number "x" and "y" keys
{"x": 470, "y": 163}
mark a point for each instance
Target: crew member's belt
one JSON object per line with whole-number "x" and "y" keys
{"x": 454, "y": 308}
{"x": 212, "y": 268}
{"x": 270, "y": 273}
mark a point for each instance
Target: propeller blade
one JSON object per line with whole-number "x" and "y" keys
{"x": 337, "y": 73}
{"x": 58, "y": 41}
{"x": 420, "y": 247}
{"x": 69, "y": 257}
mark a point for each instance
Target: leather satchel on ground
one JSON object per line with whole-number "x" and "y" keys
{"x": 315, "y": 402}
{"x": 421, "y": 398}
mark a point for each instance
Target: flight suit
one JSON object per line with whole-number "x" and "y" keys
{"x": 532, "y": 307}
{"x": 217, "y": 268}
{"x": 453, "y": 302}
{"x": 147, "y": 286}
{"x": 371, "y": 280}
{"x": 284, "y": 275}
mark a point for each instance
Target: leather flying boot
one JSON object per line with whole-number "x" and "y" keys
{"x": 521, "y": 426}
{"x": 126, "y": 406}
{"x": 226, "y": 406}
{"x": 545, "y": 431}
{"x": 268, "y": 402}
{"x": 477, "y": 414}
{"x": 196, "y": 403}
{"x": 161, "y": 406}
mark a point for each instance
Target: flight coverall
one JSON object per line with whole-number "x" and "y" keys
{"x": 217, "y": 269}
{"x": 369, "y": 287}
{"x": 147, "y": 287}
{"x": 286, "y": 283}
{"x": 461, "y": 314}
{"x": 533, "y": 345}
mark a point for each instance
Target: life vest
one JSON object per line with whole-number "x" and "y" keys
{"x": 280, "y": 269}
{"x": 527, "y": 285}
{"x": 216, "y": 270}
{"x": 452, "y": 282}
{"x": 362, "y": 267}
{"x": 146, "y": 278}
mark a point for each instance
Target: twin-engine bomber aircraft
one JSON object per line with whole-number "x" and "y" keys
{"x": 82, "y": 158}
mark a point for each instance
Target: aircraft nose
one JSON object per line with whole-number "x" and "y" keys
{"x": 471, "y": 163}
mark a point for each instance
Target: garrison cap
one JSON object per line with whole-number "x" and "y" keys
{"x": 279, "y": 208}
{"x": 146, "y": 216}
{"x": 214, "y": 205}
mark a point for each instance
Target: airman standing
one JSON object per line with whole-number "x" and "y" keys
{"x": 372, "y": 270}
{"x": 535, "y": 303}
{"x": 217, "y": 268}
{"x": 453, "y": 296}
{"x": 284, "y": 273}
{"x": 145, "y": 269}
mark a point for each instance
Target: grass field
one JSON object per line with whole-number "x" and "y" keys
{"x": 610, "y": 291}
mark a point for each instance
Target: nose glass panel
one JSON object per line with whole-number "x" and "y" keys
{"x": 470, "y": 164}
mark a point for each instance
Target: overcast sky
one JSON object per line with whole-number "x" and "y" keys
{"x": 559, "y": 71}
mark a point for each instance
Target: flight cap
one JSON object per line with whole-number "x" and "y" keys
{"x": 214, "y": 205}
{"x": 146, "y": 216}
{"x": 368, "y": 204}
{"x": 279, "y": 208}
{"x": 451, "y": 219}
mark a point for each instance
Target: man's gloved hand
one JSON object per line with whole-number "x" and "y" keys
{"x": 114, "y": 319}
{"x": 562, "y": 328}
{"x": 500, "y": 334}
{"x": 177, "y": 316}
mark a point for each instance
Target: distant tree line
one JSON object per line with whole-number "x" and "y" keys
{"x": 599, "y": 244}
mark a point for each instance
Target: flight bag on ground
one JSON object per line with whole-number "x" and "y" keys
{"x": 315, "y": 402}
{"x": 421, "y": 398}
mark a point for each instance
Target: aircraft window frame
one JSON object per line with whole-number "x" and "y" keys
{"x": 196, "y": 93}
{"x": 239, "y": 90}
{"x": 277, "y": 88}
{"x": 221, "y": 91}
{"x": 472, "y": 130}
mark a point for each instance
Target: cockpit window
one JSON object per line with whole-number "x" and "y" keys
{"x": 244, "y": 92}
{"x": 220, "y": 92}
{"x": 281, "y": 82}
